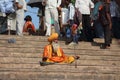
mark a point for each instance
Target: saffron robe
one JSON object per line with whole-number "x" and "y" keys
{"x": 59, "y": 57}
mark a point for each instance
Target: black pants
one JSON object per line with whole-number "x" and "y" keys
{"x": 87, "y": 30}
{"x": 116, "y": 27}
{"x": 107, "y": 34}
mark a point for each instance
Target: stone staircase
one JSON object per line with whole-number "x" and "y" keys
{"x": 20, "y": 61}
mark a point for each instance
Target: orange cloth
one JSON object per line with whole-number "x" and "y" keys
{"x": 59, "y": 57}
{"x": 27, "y": 25}
{"x": 100, "y": 7}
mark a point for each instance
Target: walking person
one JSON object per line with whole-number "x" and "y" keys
{"x": 96, "y": 22}
{"x": 51, "y": 12}
{"x": 21, "y": 7}
{"x": 105, "y": 19}
{"x": 85, "y": 7}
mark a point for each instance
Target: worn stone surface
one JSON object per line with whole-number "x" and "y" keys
{"x": 20, "y": 61}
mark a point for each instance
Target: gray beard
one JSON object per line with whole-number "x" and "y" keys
{"x": 55, "y": 47}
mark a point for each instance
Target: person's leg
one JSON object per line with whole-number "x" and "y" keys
{"x": 115, "y": 27}
{"x": 98, "y": 29}
{"x": 54, "y": 13}
{"x": 68, "y": 35}
{"x": 83, "y": 35}
{"x": 87, "y": 27}
{"x": 75, "y": 38}
{"x": 118, "y": 28}
{"x": 108, "y": 35}
{"x": 20, "y": 21}
{"x": 48, "y": 22}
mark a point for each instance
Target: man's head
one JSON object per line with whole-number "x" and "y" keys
{"x": 53, "y": 39}
{"x": 68, "y": 1}
{"x": 96, "y": 1}
{"x": 28, "y": 18}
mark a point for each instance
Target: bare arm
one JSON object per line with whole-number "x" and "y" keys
{"x": 18, "y": 5}
{"x": 108, "y": 14}
{"x": 76, "y": 4}
{"x": 58, "y": 5}
{"x": 109, "y": 19}
{"x": 44, "y": 2}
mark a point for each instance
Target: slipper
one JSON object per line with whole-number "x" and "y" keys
{"x": 46, "y": 63}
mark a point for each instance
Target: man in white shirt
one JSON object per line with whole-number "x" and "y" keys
{"x": 21, "y": 7}
{"x": 85, "y": 7}
{"x": 51, "y": 12}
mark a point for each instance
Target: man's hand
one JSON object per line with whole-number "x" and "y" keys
{"x": 44, "y": 3}
{"x": 109, "y": 19}
{"x": 19, "y": 6}
{"x": 110, "y": 25}
{"x": 59, "y": 8}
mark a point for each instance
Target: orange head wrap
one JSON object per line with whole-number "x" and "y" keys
{"x": 52, "y": 37}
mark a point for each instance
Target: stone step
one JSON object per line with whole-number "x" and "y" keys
{"x": 66, "y": 49}
{"x": 98, "y": 53}
{"x": 32, "y": 38}
{"x": 83, "y": 54}
{"x": 39, "y": 48}
{"x": 22, "y": 42}
{"x": 99, "y": 61}
{"x": 87, "y": 56}
{"x": 41, "y": 39}
{"x": 55, "y": 76}
{"x": 61, "y": 68}
{"x": 20, "y": 61}
{"x": 39, "y": 43}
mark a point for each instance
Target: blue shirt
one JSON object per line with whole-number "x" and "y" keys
{"x": 95, "y": 12}
{"x": 6, "y": 6}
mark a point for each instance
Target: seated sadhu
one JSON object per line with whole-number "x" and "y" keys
{"x": 53, "y": 53}
{"x": 29, "y": 26}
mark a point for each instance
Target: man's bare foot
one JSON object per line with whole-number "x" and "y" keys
{"x": 77, "y": 57}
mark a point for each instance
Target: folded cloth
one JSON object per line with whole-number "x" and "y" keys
{"x": 12, "y": 40}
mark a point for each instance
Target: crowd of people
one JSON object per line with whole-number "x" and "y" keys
{"x": 86, "y": 19}
{"x": 97, "y": 15}
{"x": 14, "y": 11}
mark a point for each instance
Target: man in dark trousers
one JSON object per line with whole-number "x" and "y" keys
{"x": 105, "y": 19}
{"x": 85, "y": 7}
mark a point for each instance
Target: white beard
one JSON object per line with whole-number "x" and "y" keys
{"x": 55, "y": 46}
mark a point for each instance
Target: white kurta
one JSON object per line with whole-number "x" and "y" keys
{"x": 51, "y": 12}
{"x": 84, "y": 6}
{"x": 20, "y": 17}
